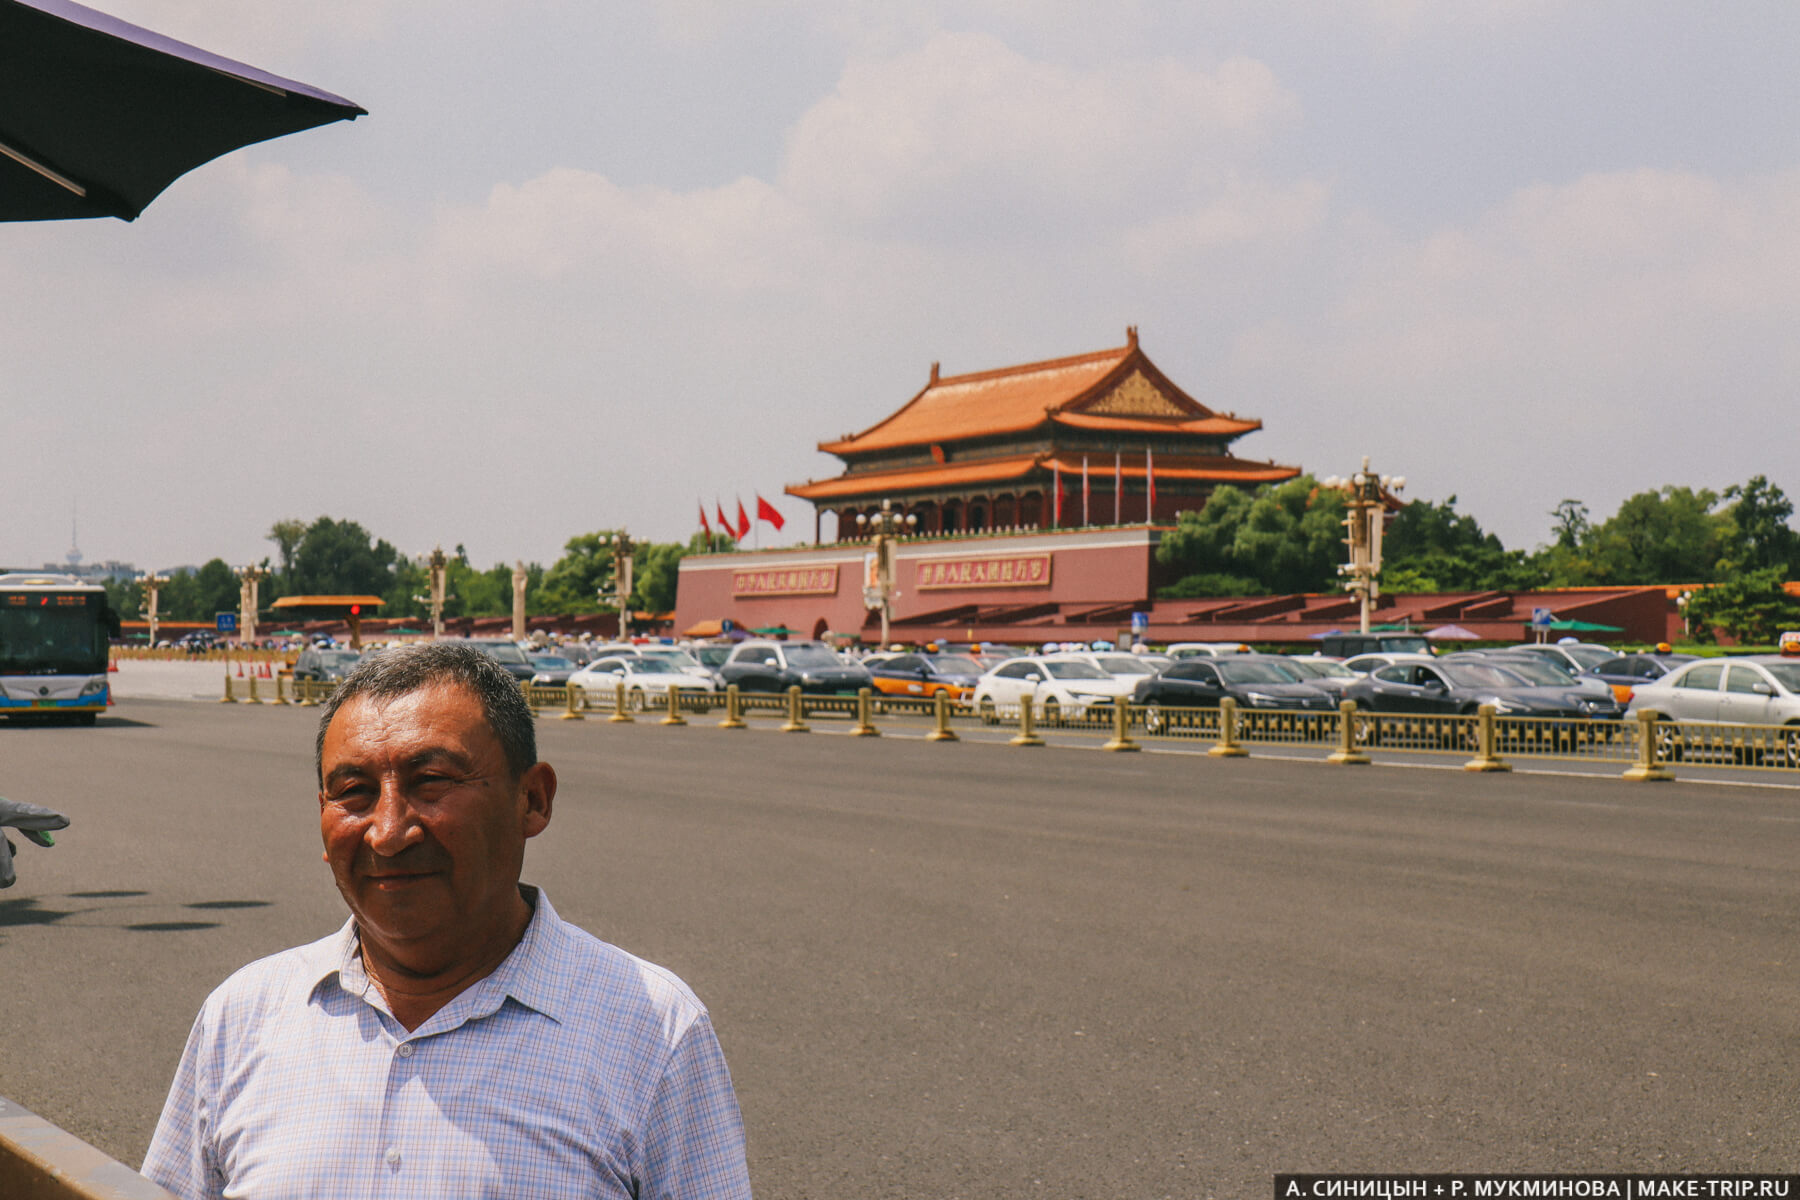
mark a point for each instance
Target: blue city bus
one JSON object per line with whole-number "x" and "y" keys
{"x": 54, "y": 635}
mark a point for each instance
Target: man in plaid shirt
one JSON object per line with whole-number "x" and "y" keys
{"x": 455, "y": 1038}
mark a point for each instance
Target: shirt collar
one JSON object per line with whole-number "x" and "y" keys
{"x": 527, "y": 974}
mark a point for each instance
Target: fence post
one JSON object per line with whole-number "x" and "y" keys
{"x": 1121, "y": 738}
{"x": 1649, "y": 766}
{"x": 796, "y": 713}
{"x": 1027, "y": 726}
{"x": 674, "y": 717}
{"x": 254, "y": 699}
{"x": 530, "y": 700}
{"x": 1228, "y": 744}
{"x": 1486, "y": 738}
{"x": 229, "y": 698}
{"x": 574, "y": 698}
{"x": 1347, "y": 754}
{"x": 303, "y": 689}
{"x": 864, "y": 726}
{"x": 279, "y": 699}
{"x": 940, "y": 713}
{"x": 734, "y": 708}
{"x": 621, "y": 715}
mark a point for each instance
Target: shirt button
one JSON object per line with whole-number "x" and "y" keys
{"x": 404, "y": 1050}
{"x": 392, "y": 1156}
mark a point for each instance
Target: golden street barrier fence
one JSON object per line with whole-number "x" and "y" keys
{"x": 1486, "y": 740}
{"x": 39, "y": 1161}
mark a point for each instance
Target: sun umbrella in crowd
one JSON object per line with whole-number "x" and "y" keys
{"x": 98, "y": 116}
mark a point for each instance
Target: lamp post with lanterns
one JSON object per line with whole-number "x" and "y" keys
{"x": 249, "y": 577}
{"x": 1365, "y": 513}
{"x": 878, "y": 573}
{"x": 152, "y": 583}
{"x": 619, "y": 583}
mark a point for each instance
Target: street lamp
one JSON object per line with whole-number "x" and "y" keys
{"x": 519, "y": 578}
{"x": 620, "y": 582}
{"x": 437, "y": 565}
{"x": 878, "y": 565}
{"x": 1364, "y": 517}
{"x": 152, "y": 584}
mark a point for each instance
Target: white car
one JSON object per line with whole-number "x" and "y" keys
{"x": 647, "y": 682}
{"x": 1181, "y": 650}
{"x": 1121, "y": 664}
{"x": 1762, "y": 689}
{"x": 1061, "y": 687}
{"x": 680, "y": 659}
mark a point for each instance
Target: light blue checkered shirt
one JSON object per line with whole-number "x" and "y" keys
{"x": 575, "y": 1069}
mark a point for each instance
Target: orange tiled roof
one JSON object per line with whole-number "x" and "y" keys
{"x": 1216, "y": 468}
{"x": 1015, "y": 399}
{"x": 324, "y": 601}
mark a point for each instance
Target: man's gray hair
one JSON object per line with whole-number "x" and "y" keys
{"x": 400, "y": 671}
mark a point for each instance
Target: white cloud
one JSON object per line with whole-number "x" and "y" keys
{"x": 967, "y": 139}
{"x": 1616, "y": 333}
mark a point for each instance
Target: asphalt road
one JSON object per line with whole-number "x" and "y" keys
{"x": 970, "y": 970}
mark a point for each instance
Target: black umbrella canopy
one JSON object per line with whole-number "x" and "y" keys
{"x": 98, "y": 116}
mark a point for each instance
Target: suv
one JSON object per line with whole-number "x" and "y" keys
{"x": 1347, "y": 645}
{"x": 762, "y": 666}
{"x": 507, "y": 653}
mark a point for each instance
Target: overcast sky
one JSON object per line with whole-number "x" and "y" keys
{"x": 588, "y": 263}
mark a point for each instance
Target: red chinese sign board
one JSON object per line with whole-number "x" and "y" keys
{"x": 1011, "y": 570}
{"x": 794, "y": 581}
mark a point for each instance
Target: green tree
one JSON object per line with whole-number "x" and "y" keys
{"x": 1761, "y": 536}
{"x": 1751, "y": 607}
{"x": 340, "y": 558}
{"x": 287, "y": 536}
{"x": 1284, "y": 537}
{"x": 1668, "y": 536}
{"x": 1430, "y": 547}
{"x": 573, "y": 582}
{"x": 1572, "y": 524}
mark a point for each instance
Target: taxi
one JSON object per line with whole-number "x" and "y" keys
{"x": 925, "y": 675}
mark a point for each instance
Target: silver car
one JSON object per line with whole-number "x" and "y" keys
{"x": 1761, "y": 689}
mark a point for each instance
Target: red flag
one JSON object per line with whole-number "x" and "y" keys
{"x": 1118, "y": 486}
{"x": 743, "y": 529}
{"x": 1149, "y": 485}
{"x": 724, "y": 521}
{"x": 767, "y": 512}
{"x": 1084, "y": 492}
{"x": 1056, "y": 485}
{"x": 703, "y": 525}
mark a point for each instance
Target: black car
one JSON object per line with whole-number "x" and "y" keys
{"x": 777, "y": 666}
{"x": 1464, "y": 686}
{"x": 552, "y": 670}
{"x": 325, "y": 666}
{"x": 1251, "y": 681}
{"x": 507, "y": 654}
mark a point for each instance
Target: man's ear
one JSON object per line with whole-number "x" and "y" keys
{"x": 538, "y": 785}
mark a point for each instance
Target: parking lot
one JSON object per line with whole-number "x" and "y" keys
{"x": 971, "y": 970}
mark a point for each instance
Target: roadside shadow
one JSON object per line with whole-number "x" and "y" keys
{"x": 25, "y": 911}
{"x": 29, "y": 910}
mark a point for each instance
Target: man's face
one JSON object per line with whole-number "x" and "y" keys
{"x": 424, "y": 826}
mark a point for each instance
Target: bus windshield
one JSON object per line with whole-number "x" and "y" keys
{"x": 53, "y": 633}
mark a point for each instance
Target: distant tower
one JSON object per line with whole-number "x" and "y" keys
{"x": 73, "y": 557}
